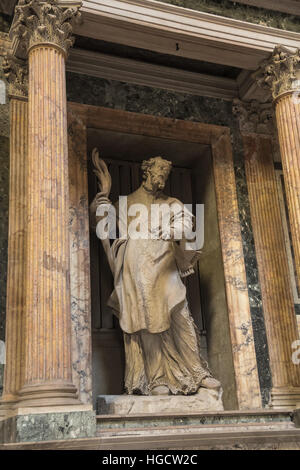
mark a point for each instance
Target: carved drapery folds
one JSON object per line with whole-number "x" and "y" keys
{"x": 281, "y": 72}
{"x": 254, "y": 117}
{"x": 39, "y": 22}
{"x": 16, "y": 73}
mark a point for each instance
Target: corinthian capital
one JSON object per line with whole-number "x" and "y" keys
{"x": 16, "y": 73}
{"x": 280, "y": 73}
{"x": 254, "y": 117}
{"x": 44, "y": 22}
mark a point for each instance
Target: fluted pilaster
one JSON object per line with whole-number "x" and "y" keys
{"x": 16, "y": 74}
{"x": 278, "y": 305}
{"x": 15, "y": 300}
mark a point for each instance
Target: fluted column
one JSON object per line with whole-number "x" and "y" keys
{"x": 281, "y": 74}
{"x": 45, "y": 29}
{"x": 17, "y": 76}
{"x": 256, "y": 122}
{"x": 277, "y": 298}
{"x": 288, "y": 123}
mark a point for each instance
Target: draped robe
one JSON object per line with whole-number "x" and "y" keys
{"x": 161, "y": 341}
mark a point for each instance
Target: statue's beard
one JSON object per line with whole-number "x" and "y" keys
{"x": 158, "y": 183}
{"x": 155, "y": 183}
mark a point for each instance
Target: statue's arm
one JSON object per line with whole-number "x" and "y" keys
{"x": 98, "y": 199}
{"x": 102, "y": 197}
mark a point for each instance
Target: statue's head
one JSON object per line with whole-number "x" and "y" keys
{"x": 155, "y": 172}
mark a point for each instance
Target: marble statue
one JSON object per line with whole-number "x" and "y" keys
{"x": 161, "y": 340}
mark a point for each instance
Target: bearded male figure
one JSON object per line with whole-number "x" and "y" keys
{"x": 161, "y": 341}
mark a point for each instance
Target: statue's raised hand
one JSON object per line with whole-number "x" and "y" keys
{"x": 102, "y": 173}
{"x": 104, "y": 184}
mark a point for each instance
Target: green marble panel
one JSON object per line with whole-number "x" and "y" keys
{"x": 48, "y": 426}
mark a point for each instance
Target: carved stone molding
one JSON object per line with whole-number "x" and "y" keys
{"x": 16, "y": 73}
{"x": 44, "y": 22}
{"x": 281, "y": 72}
{"x": 254, "y": 117}
{"x": 158, "y": 26}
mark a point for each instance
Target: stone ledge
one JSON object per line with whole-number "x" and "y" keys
{"x": 273, "y": 440}
{"x": 145, "y": 422}
{"x": 206, "y": 400}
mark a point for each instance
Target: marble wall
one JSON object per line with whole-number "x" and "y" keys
{"x": 241, "y": 12}
{"x": 146, "y": 100}
{"x": 79, "y": 263}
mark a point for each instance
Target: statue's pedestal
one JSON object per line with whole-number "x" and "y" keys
{"x": 206, "y": 400}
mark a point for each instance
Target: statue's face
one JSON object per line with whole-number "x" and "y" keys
{"x": 158, "y": 173}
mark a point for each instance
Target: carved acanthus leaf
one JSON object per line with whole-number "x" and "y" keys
{"x": 16, "y": 73}
{"x": 280, "y": 73}
{"x": 254, "y": 117}
{"x": 44, "y": 22}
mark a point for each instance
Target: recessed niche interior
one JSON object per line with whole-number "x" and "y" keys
{"x": 191, "y": 181}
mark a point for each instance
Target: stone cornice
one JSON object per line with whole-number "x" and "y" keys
{"x": 281, "y": 72}
{"x": 188, "y": 33}
{"x": 254, "y": 117}
{"x": 16, "y": 73}
{"x": 43, "y": 22}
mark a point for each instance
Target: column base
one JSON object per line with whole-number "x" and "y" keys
{"x": 7, "y": 404}
{"x": 49, "y": 424}
{"x": 49, "y": 394}
{"x": 285, "y": 398}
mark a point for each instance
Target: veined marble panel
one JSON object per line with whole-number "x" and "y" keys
{"x": 79, "y": 256}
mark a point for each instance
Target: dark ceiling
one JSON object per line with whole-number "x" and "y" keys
{"x": 156, "y": 58}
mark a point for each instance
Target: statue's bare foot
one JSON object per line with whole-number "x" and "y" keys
{"x": 160, "y": 390}
{"x": 210, "y": 382}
